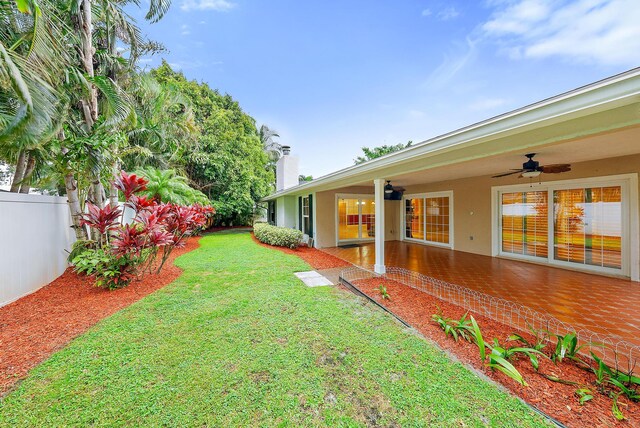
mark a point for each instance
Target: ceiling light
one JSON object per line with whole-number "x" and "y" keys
{"x": 388, "y": 188}
{"x": 531, "y": 174}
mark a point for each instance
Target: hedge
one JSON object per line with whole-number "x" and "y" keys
{"x": 278, "y": 236}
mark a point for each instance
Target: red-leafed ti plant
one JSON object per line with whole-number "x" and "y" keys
{"x": 127, "y": 251}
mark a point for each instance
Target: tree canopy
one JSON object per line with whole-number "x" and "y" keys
{"x": 376, "y": 152}
{"x": 75, "y": 110}
{"x": 227, "y": 162}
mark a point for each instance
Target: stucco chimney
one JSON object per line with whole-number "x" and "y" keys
{"x": 286, "y": 170}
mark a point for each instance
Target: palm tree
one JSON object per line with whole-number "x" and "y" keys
{"x": 168, "y": 186}
{"x": 272, "y": 148}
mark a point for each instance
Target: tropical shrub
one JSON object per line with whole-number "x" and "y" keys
{"x": 566, "y": 347}
{"x": 453, "y": 328}
{"x": 497, "y": 361}
{"x": 126, "y": 251}
{"x": 509, "y": 352}
{"x": 278, "y": 236}
{"x": 169, "y": 186}
{"x": 541, "y": 337}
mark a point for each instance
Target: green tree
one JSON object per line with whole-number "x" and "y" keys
{"x": 168, "y": 186}
{"x": 376, "y": 152}
{"x": 227, "y": 162}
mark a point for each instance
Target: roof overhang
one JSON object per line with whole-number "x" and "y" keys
{"x": 601, "y": 107}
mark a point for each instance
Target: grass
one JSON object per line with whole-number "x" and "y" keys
{"x": 237, "y": 340}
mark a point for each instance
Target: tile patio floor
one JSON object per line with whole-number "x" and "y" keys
{"x": 583, "y": 300}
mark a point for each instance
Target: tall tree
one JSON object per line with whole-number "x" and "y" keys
{"x": 227, "y": 162}
{"x": 376, "y": 152}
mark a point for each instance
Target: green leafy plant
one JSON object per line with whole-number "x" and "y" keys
{"x": 109, "y": 270}
{"x": 615, "y": 409}
{"x": 277, "y": 236}
{"x": 383, "y": 292}
{"x": 554, "y": 378}
{"x": 584, "y": 395}
{"x": 625, "y": 382}
{"x": 498, "y": 362}
{"x": 541, "y": 338}
{"x": 508, "y": 353}
{"x": 476, "y": 334}
{"x": 566, "y": 347}
{"x": 454, "y": 328}
{"x": 602, "y": 372}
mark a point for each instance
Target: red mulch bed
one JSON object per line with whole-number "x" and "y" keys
{"x": 316, "y": 258}
{"x": 555, "y": 399}
{"x": 37, "y": 325}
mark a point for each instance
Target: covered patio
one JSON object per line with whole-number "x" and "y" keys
{"x": 599, "y": 303}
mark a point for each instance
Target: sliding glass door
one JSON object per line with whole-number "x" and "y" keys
{"x": 356, "y": 218}
{"x": 427, "y": 218}
{"x": 588, "y": 226}
{"x": 579, "y": 225}
{"x": 525, "y": 223}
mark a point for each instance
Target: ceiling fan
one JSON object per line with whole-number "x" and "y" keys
{"x": 531, "y": 168}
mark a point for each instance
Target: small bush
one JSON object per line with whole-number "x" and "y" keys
{"x": 278, "y": 236}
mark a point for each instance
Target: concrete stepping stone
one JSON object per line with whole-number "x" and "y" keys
{"x": 313, "y": 279}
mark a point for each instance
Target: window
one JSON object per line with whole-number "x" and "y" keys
{"x": 414, "y": 218}
{"x": 306, "y": 224}
{"x": 356, "y": 218}
{"x": 271, "y": 212}
{"x": 579, "y": 223}
{"x": 427, "y": 218}
{"x": 588, "y": 226}
{"x": 525, "y": 223}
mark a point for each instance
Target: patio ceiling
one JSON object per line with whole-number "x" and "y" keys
{"x": 603, "y": 146}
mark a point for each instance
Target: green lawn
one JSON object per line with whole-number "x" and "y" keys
{"x": 237, "y": 340}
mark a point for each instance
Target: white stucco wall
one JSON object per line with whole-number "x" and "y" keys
{"x": 287, "y": 211}
{"x": 287, "y": 172}
{"x": 35, "y": 231}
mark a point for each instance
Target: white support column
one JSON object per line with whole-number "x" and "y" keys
{"x": 380, "y": 233}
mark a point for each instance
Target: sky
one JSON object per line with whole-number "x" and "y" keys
{"x": 334, "y": 76}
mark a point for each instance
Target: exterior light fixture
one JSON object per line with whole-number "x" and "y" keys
{"x": 531, "y": 174}
{"x": 388, "y": 188}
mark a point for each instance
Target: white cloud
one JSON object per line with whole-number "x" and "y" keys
{"x": 217, "y": 5}
{"x": 427, "y": 12}
{"x": 145, "y": 60}
{"x": 448, "y": 13}
{"x": 451, "y": 66}
{"x": 488, "y": 104}
{"x": 417, "y": 114}
{"x": 589, "y": 31}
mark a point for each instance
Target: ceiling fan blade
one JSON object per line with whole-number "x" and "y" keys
{"x": 517, "y": 171}
{"x": 556, "y": 168}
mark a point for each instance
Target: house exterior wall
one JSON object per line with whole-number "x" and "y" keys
{"x": 325, "y": 206}
{"x": 286, "y": 212}
{"x": 472, "y": 198}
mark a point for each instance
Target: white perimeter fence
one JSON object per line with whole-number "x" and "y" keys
{"x": 35, "y": 235}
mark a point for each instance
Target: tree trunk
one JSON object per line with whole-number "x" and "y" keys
{"x": 86, "y": 28}
{"x": 113, "y": 190}
{"x": 25, "y": 187}
{"x": 21, "y": 166}
{"x": 74, "y": 206}
{"x": 97, "y": 192}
